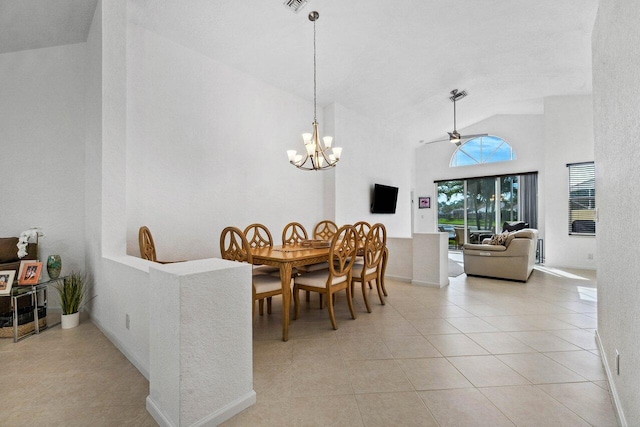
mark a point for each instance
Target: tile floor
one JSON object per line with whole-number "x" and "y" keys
{"x": 478, "y": 352}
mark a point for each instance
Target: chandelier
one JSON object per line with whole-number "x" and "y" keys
{"x": 318, "y": 154}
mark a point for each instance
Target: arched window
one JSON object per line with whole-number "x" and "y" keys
{"x": 483, "y": 149}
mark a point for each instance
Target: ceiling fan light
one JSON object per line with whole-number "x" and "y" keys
{"x": 291, "y": 154}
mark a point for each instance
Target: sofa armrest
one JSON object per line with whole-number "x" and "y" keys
{"x": 483, "y": 247}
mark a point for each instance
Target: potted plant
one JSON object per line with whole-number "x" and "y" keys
{"x": 72, "y": 291}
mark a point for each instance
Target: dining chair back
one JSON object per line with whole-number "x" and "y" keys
{"x": 336, "y": 278}
{"x": 294, "y": 233}
{"x": 234, "y": 245}
{"x": 325, "y": 230}
{"x": 147, "y": 247}
{"x": 258, "y": 236}
{"x": 374, "y": 257}
{"x": 362, "y": 228}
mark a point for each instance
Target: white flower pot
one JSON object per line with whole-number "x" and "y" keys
{"x": 69, "y": 321}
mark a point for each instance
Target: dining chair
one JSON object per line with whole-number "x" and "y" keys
{"x": 293, "y": 234}
{"x": 259, "y": 236}
{"x": 147, "y": 247}
{"x": 325, "y": 230}
{"x": 373, "y": 256}
{"x": 234, "y": 246}
{"x": 336, "y": 278}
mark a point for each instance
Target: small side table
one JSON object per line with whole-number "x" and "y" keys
{"x": 31, "y": 291}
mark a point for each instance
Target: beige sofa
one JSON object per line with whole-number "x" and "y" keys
{"x": 514, "y": 261}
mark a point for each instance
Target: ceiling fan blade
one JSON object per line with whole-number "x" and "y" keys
{"x": 478, "y": 135}
{"x": 433, "y": 142}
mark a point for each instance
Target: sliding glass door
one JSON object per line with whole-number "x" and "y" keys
{"x": 472, "y": 209}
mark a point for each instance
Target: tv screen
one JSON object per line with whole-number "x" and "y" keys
{"x": 384, "y": 199}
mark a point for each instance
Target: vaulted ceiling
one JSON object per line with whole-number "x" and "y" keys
{"x": 394, "y": 61}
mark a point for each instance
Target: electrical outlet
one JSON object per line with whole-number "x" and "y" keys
{"x": 128, "y": 321}
{"x": 589, "y": 256}
{"x": 617, "y": 362}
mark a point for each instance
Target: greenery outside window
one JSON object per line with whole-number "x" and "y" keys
{"x": 582, "y": 199}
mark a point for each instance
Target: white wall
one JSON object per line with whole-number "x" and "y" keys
{"x": 568, "y": 139}
{"x": 372, "y": 154}
{"x": 207, "y": 148}
{"x": 42, "y": 140}
{"x": 616, "y": 91}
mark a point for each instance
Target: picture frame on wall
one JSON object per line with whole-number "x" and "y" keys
{"x": 424, "y": 202}
{"x": 29, "y": 272}
{"x": 6, "y": 280}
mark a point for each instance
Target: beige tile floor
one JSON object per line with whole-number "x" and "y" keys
{"x": 478, "y": 352}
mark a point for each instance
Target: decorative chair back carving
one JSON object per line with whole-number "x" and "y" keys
{"x": 258, "y": 236}
{"x": 234, "y": 245}
{"x": 147, "y": 247}
{"x": 342, "y": 252}
{"x": 293, "y": 234}
{"x": 374, "y": 247}
{"x": 325, "y": 230}
{"x": 362, "y": 228}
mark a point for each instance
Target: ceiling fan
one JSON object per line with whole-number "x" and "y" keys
{"x": 455, "y": 137}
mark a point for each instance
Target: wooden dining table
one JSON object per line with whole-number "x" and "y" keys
{"x": 285, "y": 257}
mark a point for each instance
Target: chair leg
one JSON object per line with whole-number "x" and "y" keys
{"x": 308, "y": 296}
{"x": 261, "y": 306}
{"x": 269, "y": 305}
{"x": 333, "y": 299}
{"x": 350, "y": 302}
{"x": 384, "y": 270}
{"x": 332, "y": 315}
{"x": 253, "y": 309}
{"x": 380, "y": 291}
{"x": 296, "y": 303}
{"x": 364, "y": 296}
{"x": 321, "y": 305}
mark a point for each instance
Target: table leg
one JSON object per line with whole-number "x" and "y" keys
{"x": 285, "y": 277}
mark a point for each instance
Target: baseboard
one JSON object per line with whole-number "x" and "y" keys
{"x": 227, "y": 411}
{"x": 617, "y": 407}
{"x": 399, "y": 278}
{"x": 429, "y": 284}
{"x": 144, "y": 370}
{"x": 211, "y": 420}
{"x": 157, "y": 414}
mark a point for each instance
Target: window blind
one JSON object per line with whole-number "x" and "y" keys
{"x": 582, "y": 198}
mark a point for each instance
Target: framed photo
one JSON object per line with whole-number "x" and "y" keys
{"x": 6, "y": 280}
{"x": 424, "y": 202}
{"x": 29, "y": 272}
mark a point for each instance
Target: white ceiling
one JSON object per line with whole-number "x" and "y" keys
{"x": 395, "y": 61}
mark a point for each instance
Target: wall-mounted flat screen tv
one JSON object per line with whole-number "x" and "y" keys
{"x": 384, "y": 199}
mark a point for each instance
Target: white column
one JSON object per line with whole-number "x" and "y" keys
{"x": 430, "y": 254}
{"x": 200, "y": 339}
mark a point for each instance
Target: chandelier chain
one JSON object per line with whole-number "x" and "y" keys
{"x": 315, "y": 117}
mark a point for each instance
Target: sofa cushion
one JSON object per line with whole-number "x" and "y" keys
{"x": 8, "y": 249}
{"x": 499, "y": 239}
